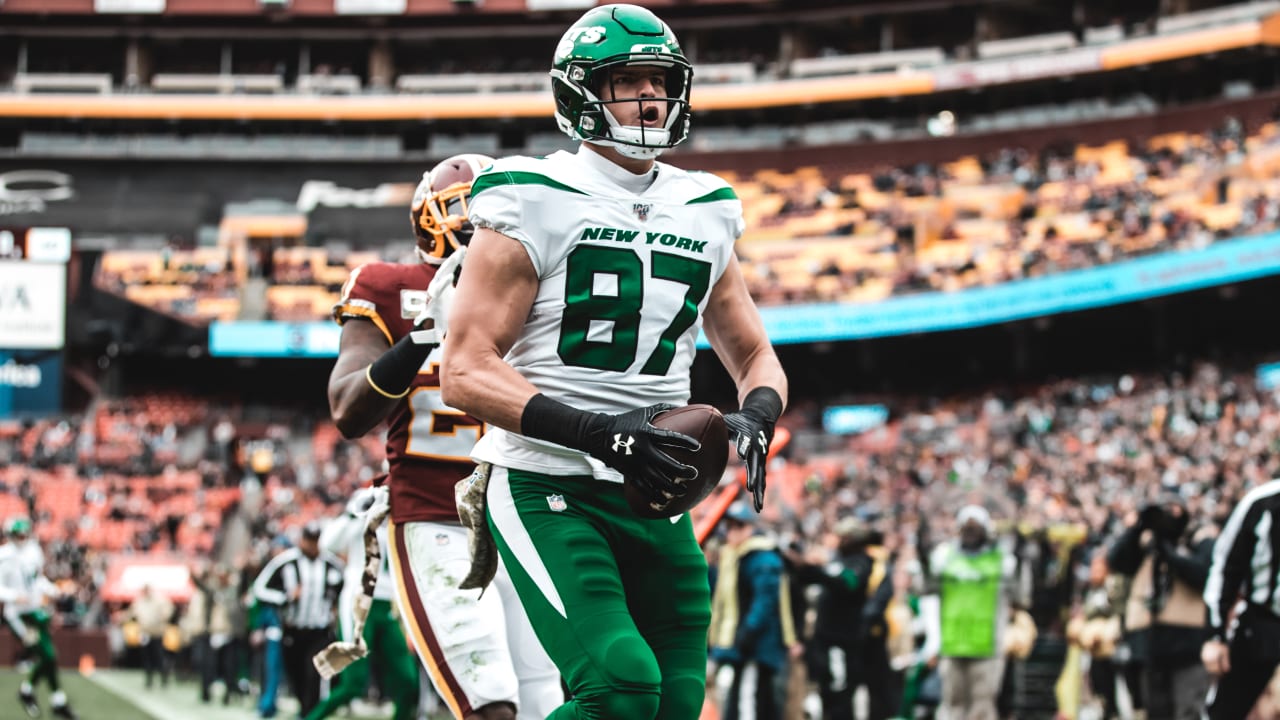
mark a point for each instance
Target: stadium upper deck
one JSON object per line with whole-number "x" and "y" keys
{"x": 382, "y": 60}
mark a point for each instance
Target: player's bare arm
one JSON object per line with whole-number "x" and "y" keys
{"x": 737, "y": 335}
{"x": 493, "y": 299}
{"x": 356, "y": 408}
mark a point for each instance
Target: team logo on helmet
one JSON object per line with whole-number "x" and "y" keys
{"x": 438, "y": 213}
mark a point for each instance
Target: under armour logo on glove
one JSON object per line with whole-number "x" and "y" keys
{"x": 629, "y": 443}
{"x": 620, "y": 444}
{"x": 744, "y": 444}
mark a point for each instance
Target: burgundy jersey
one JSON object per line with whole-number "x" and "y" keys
{"x": 428, "y": 443}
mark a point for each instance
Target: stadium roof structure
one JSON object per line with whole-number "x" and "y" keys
{"x": 906, "y": 81}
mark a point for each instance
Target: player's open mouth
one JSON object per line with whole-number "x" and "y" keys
{"x": 649, "y": 116}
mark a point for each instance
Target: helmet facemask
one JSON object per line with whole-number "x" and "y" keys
{"x": 438, "y": 214}
{"x": 444, "y": 219}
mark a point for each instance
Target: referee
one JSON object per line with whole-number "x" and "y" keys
{"x": 1243, "y": 653}
{"x": 304, "y": 583}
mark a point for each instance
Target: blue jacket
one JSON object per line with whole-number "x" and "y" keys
{"x": 750, "y": 617}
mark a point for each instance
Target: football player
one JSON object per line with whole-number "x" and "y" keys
{"x": 588, "y": 278}
{"x": 388, "y": 367}
{"x": 397, "y": 668}
{"x": 25, "y": 590}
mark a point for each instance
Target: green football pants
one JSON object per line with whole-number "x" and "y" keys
{"x": 397, "y": 667}
{"x": 43, "y": 655}
{"x": 620, "y": 603}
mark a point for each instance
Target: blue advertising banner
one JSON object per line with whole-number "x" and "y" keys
{"x": 853, "y": 419}
{"x": 1164, "y": 274}
{"x": 274, "y": 339}
{"x": 1268, "y": 376}
{"x": 30, "y": 383}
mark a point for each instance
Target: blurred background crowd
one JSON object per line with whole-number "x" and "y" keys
{"x": 221, "y": 168}
{"x": 1063, "y": 469}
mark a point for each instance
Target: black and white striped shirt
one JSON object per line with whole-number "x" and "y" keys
{"x": 320, "y": 581}
{"x": 1246, "y": 558}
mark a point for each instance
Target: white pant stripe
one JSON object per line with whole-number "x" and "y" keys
{"x": 502, "y": 508}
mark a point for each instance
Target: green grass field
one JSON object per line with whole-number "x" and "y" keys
{"x": 89, "y": 699}
{"x": 121, "y": 695}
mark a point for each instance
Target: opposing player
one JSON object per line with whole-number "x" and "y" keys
{"x": 388, "y": 367}
{"x": 25, "y": 592}
{"x": 587, "y": 281}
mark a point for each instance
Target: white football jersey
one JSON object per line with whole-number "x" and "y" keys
{"x": 33, "y": 587}
{"x": 625, "y": 265}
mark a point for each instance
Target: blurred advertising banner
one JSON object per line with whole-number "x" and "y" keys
{"x": 33, "y": 300}
{"x": 369, "y": 7}
{"x": 1169, "y": 273}
{"x": 126, "y": 576}
{"x": 128, "y": 6}
{"x": 560, "y": 4}
{"x": 999, "y": 72}
{"x": 274, "y": 339}
{"x": 1269, "y": 376}
{"x": 30, "y": 383}
{"x": 853, "y": 419}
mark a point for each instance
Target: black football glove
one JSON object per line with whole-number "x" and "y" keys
{"x": 630, "y": 444}
{"x": 627, "y": 442}
{"x": 752, "y": 429}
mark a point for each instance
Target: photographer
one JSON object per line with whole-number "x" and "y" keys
{"x": 1164, "y": 615}
{"x": 835, "y": 653}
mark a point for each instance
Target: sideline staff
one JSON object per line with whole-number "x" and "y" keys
{"x": 1244, "y": 654}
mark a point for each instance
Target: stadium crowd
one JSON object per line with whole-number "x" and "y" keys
{"x": 819, "y": 234}
{"x": 1061, "y": 468}
{"x": 1009, "y": 216}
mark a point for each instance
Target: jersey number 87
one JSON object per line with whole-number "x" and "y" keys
{"x": 582, "y": 305}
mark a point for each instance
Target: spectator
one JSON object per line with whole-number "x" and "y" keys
{"x": 266, "y": 637}
{"x": 1099, "y": 633}
{"x": 153, "y": 612}
{"x": 213, "y": 616}
{"x": 751, "y": 631}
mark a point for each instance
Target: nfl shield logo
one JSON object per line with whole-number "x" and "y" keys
{"x": 442, "y": 539}
{"x": 641, "y": 210}
{"x": 557, "y": 503}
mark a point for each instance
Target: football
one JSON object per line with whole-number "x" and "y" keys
{"x": 705, "y": 424}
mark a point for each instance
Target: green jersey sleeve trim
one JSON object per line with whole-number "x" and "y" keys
{"x": 509, "y": 177}
{"x": 724, "y": 193}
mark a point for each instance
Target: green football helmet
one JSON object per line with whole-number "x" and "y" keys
{"x": 612, "y": 36}
{"x": 19, "y": 526}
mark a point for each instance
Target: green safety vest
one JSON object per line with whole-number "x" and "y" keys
{"x": 970, "y": 603}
